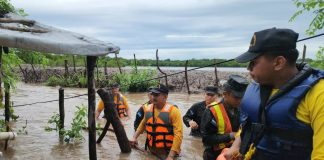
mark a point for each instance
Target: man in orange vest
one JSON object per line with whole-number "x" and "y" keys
{"x": 163, "y": 125}
{"x": 120, "y": 102}
{"x": 220, "y": 122}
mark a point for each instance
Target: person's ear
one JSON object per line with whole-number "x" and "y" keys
{"x": 279, "y": 63}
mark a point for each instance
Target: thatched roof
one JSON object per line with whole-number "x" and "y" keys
{"x": 18, "y": 32}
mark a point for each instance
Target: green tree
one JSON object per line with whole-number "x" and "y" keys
{"x": 317, "y": 23}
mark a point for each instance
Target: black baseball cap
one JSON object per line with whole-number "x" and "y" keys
{"x": 237, "y": 85}
{"x": 211, "y": 89}
{"x": 160, "y": 89}
{"x": 271, "y": 40}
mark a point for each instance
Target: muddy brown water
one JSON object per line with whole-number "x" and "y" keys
{"x": 40, "y": 144}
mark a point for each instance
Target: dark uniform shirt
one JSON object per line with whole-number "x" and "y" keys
{"x": 195, "y": 113}
{"x": 139, "y": 115}
{"x": 209, "y": 128}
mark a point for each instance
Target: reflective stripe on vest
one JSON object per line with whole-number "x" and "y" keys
{"x": 160, "y": 131}
{"x": 120, "y": 106}
{"x": 223, "y": 122}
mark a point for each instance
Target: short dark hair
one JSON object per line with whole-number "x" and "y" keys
{"x": 291, "y": 55}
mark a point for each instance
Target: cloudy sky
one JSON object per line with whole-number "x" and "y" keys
{"x": 180, "y": 29}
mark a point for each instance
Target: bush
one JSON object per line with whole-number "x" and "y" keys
{"x": 136, "y": 82}
{"x": 74, "y": 80}
{"x": 79, "y": 122}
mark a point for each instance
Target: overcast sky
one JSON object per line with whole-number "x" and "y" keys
{"x": 180, "y": 29}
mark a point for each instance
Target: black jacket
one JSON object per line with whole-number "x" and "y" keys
{"x": 195, "y": 113}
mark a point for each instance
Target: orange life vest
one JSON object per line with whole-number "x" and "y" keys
{"x": 223, "y": 123}
{"x": 120, "y": 106}
{"x": 159, "y": 131}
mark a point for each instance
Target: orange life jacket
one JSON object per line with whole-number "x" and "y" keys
{"x": 223, "y": 123}
{"x": 120, "y": 106}
{"x": 159, "y": 131}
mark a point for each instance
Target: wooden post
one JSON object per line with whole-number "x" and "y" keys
{"x": 66, "y": 68}
{"x": 120, "y": 71}
{"x": 97, "y": 71}
{"x": 216, "y": 75}
{"x": 1, "y": 94}
{"x": 112, "y": 117}
{"x": 32, "y": 65}
{"x": 106, "y": 72}
{"x": 135, "y": 63}
{"x": 73, "y": 58}
{"x": 91, "y": 62}
{"x": 304, "y": 54}
{"x": 61, "y": 108}
{"x": 7, "y": 102}
{"x": 186, "y": 75}
{"x": 85, "y": 64}
{"x": 158, "y": 67}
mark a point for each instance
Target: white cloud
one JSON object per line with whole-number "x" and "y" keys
{"x": 181, "y": 29}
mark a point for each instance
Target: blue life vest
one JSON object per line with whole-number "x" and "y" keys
{"x": 285, "y": 137}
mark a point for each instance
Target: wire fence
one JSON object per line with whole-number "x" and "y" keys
{"x": 159, "y": 77}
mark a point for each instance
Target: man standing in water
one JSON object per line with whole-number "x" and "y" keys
{"x": 120, "y": 102}
{"x": 163, "y": 125}
{"x": 193, "y": 116}
{"x": 283, "y": 110}
{"x": 221, "y": 121}
{"x": 140, "y": 112}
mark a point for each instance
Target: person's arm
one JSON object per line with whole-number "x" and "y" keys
{"x": 99, "y": 108}
{"x": 128, "y": 112}
{"x": 139, "y": 117}
{"x": 138, "y": 132}
{"x": 189, "y": 115}
{"x": 314, "y": 103}
{"x": 233, "y": 151}
{"x": 176, "y": 120}
{"x": 209, "y": 131}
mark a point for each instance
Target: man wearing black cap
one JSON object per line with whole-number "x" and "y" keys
{"x": 163, "y": 125}
{"x": 193, "y": 116}
{"x": 282, "y": 112}
{"x": 220, "y": 121}
{"x": 120, "y": 102}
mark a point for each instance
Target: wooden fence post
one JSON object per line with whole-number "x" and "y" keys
{"x": 158, "y": 67}
{"x": 66, "y": 74}
{"x": 135, "y": 63}
{"x": 91, "y": 62}
{"x": 61, "y": 108}
{"x": 304, "y": 54}
{"x": 73, "y": 58}
{"x": 216, "y": 75}
{"x": 106, "y": 71}
{"x": 186, "y": 75}
{"x": 120, "y": 71}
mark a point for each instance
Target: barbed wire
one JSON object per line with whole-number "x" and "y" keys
{"x": 159, "y": 77}
{"x": 48, "y": 101}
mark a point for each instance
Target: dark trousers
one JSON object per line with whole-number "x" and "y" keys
{"x": 210, "y": 154}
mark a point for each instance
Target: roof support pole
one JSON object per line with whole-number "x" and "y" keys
{"x": 91, "y": 63}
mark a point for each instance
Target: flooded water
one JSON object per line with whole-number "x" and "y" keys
{"x": 40, "y": 144}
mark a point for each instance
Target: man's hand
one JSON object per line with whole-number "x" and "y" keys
{"x": 193, "y": 124}
{"x": 133, "y": 142}
{"x": 233, "y": 154}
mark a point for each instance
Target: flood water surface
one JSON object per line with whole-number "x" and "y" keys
{"x": 40, "y": 144}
